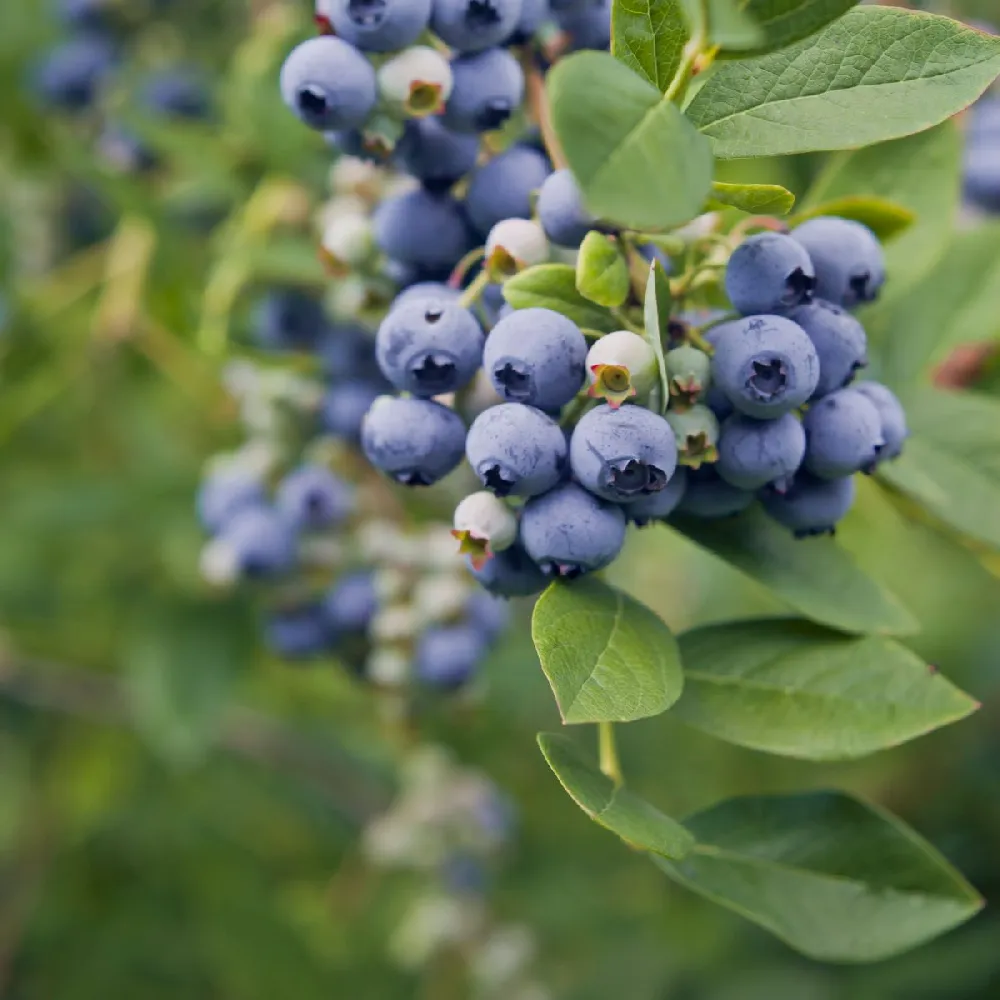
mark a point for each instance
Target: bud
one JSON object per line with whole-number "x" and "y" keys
{"x": 689, "y": 372}
{"x": 484, "y": 524}
{"x": 697, "y": 433}
{"x": 417, "y": 82}
{"x": 347, "y": 242}
{"x": 620, "y": 365}
{"x": 513, "y": 245}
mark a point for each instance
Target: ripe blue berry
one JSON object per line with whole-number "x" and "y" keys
{"x": 176, "y": 93}
{"x": 587, "y": 26}
{"x": 487, "y": 613}
{"x": 982, "y": 155}
{"x": 510, "y": 573}
{"x": 501, "y": 189}
{"x": 298, "y": 633}
{"x": 344, "y": 407}
{"x": 659, "y": 506}
{"x": 435, "y": 155}
{"x": 288, "y": 320}
{"x": 261, "y": 542}
{"x": 754, "y": 453}
{"x": 891, "y": 415}
{"x": 765, "y": 365}
{"x": 709, "y": 497}
{"x": 447, "y": 656}
{"x": 487, "y": 88}
{"x": 377, "y": 25}
{"x": 516, "y": 450}
{"x": 769, "y": 273}
{"x": 225, "y": 493}
{"x": 415, "y": 441}
{"x": 623, "y": 455}
{"x": 843, "y": 435}
{"x": 532, "y": 17}
{"x": 347, "y": 352}
{"x": 423, "y": 229}
{"x": 850, "y": 265}
{"x": 312, "y": 497}
{"x": 429, "y": 346}
{"x": 811, "y": 506}
{"x": 85, "y": 13}
{"x": 329, "y": 84}
{"x": 351, "y": 603}
{"x": 840, "y": 342}
{"x": 536, "y": 356}
{"x": 561, "y": 210}
{"x": 569, "y": 531}
{"x": 474, "y": 25}
{"x": 71, "y": 75}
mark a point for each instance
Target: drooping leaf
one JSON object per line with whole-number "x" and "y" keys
{"x": 813, "y": 575}
{"x": 607, "y": 657}
{"x": 878, "y": 73}
{"x": 835, "y": 878}
{"x": 782, "y": 22}
{"x": 601, "y": 271}
{"x": 884, "y": 218}
{"x": 649, "y": 36}
{"x": 638, "y": 823}
{"x": 799, "y": 690}
{"x": 656, "y": 317}
{"x": 951, "y": 461}
{"x": 757, "y": 199}
{"x": 553, "y": 286}
{"x": 638, "y": 160}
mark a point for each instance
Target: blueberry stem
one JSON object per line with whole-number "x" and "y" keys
{"x": 472, "y": 294}
{"x": 608, "y": 752}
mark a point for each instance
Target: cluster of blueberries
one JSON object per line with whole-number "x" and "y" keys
{"x": 76, "y": 73}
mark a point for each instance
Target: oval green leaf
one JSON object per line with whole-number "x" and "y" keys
{"x": 835, "y": 878}
{"x": 757, "y": 199}
{"x": 884, "y": 218}
{"x": 796, "y": 689}
{"x": 601, "y": 271}
{"x": 638, "y": 160}
{"x": 813, "y": 575}
{"x": 553, "y": 286}
{"x": 649, "y": 37}
{"x": 782, "y": 22}
{"x": 607, "y": 657}
{"x": 730, "y": 27}
{"x": 876, "y": 74}
{"x": 614, "y": 807}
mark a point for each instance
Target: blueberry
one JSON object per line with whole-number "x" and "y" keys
{"x": 536, "y": 356}
{"x": 569, "y": 531}
{"x": 811, "y": 506}
{"x": 72, "y": 73}
{"x": 351, "y": 603}
{"x": 313, "y": 497}
{"x": 659, "y": 506}
{"x": 516, "y": 450}
{"x": 891, "y": 415}
{"x": 177, "y": 93}
{"x": 533, "y": 15}
{"x": 510, "y": 573}
{"x": 86, "y": 13}
{"x": 561, "y": 210}
{"x": 709, "y": 497}
{"x": 765, "y": 365}
{"x": 587, "y": 26}
{"x": 623, "y": 455}
{"x": 843, "y": 435}
{"x": 754, "y": 453}
{"x": 982, "y": 172}
{"x": 474, "y": 25}
{"x": 435, "y": 155}
{"x": 487, "y": 88}
{"x": 447, "y": 656}
{"x": 347, "y": 352}
{"x": 377, "y": 25}
{"x": 769, "y": 273}
{"x": 850, "y": 265}
{"x": 261, "y": 541}
{"x": 488, "y": 613}
{"x": 329, "y": 84}
{"x": 426, "y": 290}
{"x": 344, "y": 407}
{"x": 288, "y": 320}
{"x": 415, "y": 441}
{"x": 354, "y": 142}
{"x": 501, "y": 189}
{"x": 840, "y": 342}
{"x": 298, "y": 633}
{"x": 225, "y": 493}
{"x": 423, "y": 229}
{"x": 429, "y": 346}
{"x": 123, "y": 150}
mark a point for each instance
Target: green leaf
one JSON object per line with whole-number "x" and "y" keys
{"x": 958, "y": 302}
{"x": 782, "y": 22}
{"x": 813, "y": 575}
{"x": 951, "y": 462}
{"x": 835, "y": 878}
{"x": 876, "y": 74}
{"x": 884, "y": 218}
{"x": 638, "y": 160}
{"x": 921, "y": 173}
{"x": 601, "y": 271}
{"x": 607, "y": 657}
{"x": 649, "y": 36}
{"x": 553, "y": 286}
{"x": 732, "y": 28}
{"x": 656, "y": 320}
{"x": 799, "y": 690}
{"x": 757, "y": 199}
{"x": 639, "y": 824}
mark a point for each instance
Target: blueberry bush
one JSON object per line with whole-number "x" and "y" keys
{"x": 643, "y": 351}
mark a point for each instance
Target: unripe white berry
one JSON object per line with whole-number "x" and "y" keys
{"x": 417, "y": 82}
{"x": 347, "y": 239}
{"x": 484, "y": 524}
{"x": 514, "y": 244}
{"x": 620, "y": 365}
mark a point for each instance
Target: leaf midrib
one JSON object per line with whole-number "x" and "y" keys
{"x": 619, "y": 608}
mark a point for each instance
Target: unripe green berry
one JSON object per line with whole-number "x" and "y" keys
{"x": 689, "y": 373}
{"x": 697, "y": 434}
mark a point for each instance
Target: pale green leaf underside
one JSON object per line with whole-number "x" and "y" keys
{"x": 601, "y": 271}
{"x": 649, "y": 36}
{"x": 553, "y": 286}
{"x": 757, "y": 199}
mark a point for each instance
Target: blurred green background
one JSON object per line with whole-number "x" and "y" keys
{"x": 179, "y": 814}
